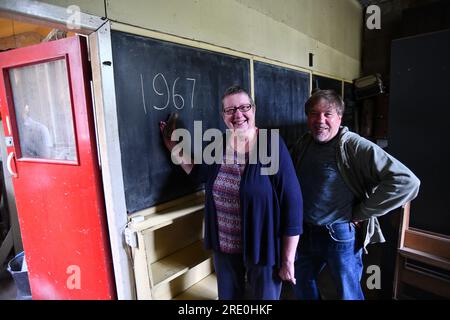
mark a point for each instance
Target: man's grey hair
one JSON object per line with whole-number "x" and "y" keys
{"x": 331, "y": 96}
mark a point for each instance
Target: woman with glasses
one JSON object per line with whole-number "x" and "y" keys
{"x": 252, "y": 220}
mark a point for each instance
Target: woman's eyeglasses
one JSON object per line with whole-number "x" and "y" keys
{"x": 242, "y": 108}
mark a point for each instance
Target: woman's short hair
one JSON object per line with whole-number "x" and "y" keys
{"x": 235, "y": 89}
{"x": 331, "y": 96}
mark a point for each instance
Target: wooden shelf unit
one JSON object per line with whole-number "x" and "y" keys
{"x": 169, "y": 259}
{"x": 206, "y": 289}
{"x": 180, "y": 262}
{"x": 423, "y": 262}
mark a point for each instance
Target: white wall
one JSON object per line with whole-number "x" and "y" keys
{"x": 281, "y": 30}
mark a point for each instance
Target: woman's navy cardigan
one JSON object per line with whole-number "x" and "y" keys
{"x": 271, "y": 207}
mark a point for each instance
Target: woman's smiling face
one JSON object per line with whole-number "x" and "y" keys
{"x": 242, "y": 120}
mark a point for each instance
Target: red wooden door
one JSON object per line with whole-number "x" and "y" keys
{"x": 47, "y": 117}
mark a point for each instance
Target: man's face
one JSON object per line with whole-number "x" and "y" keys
{"x": 238, "y": 120}
{"x": 323, "y": 121}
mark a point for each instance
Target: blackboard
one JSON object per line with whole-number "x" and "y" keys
{"x": 280, "y": 96}
{"x": 325, "y": 83}
{"x": 418, "y": 123}
{"x": 152, "y": 79}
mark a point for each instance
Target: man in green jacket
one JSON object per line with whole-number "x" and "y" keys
{"x": 347, "y": 182}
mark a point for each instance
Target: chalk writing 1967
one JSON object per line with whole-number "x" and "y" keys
{"x": 161, "y": 88}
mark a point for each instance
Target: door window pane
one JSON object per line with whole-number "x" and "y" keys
{"x": 43, "y": 111}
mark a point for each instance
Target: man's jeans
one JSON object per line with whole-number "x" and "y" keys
{"x": 334, "y": 245}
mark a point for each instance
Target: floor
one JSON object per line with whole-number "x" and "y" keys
{"x": 8, "y": 288}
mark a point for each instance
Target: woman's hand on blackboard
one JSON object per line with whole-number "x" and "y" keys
{"x": 166, "y": 133}
{"x": 167, "y": 128}
{"x": 165, "y": 136}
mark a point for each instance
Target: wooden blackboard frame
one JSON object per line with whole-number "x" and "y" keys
{"x": 149, "y": 176}
{"x": 109, "y": 83}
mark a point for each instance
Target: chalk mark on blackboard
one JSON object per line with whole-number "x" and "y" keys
{"x": 143, "y": 96}
{"x": 193, "y": 90}
{"x": 159, "y": 93}
{"x": 176, "y": 95}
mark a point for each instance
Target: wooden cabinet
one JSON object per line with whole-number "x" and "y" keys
{"x": 423, "y": 263}
{"x": 168, "y": 255}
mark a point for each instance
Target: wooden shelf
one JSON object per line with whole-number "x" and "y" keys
{"x": 169, "y": 258}
{"x": 196, "y": 197}
{"x": 176, "y": 264}
{"x": 164, "y": 218}
{"x": 425, "y": 257}
{"x": 423, "y": 262}
{"x": 206, "y": 289}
